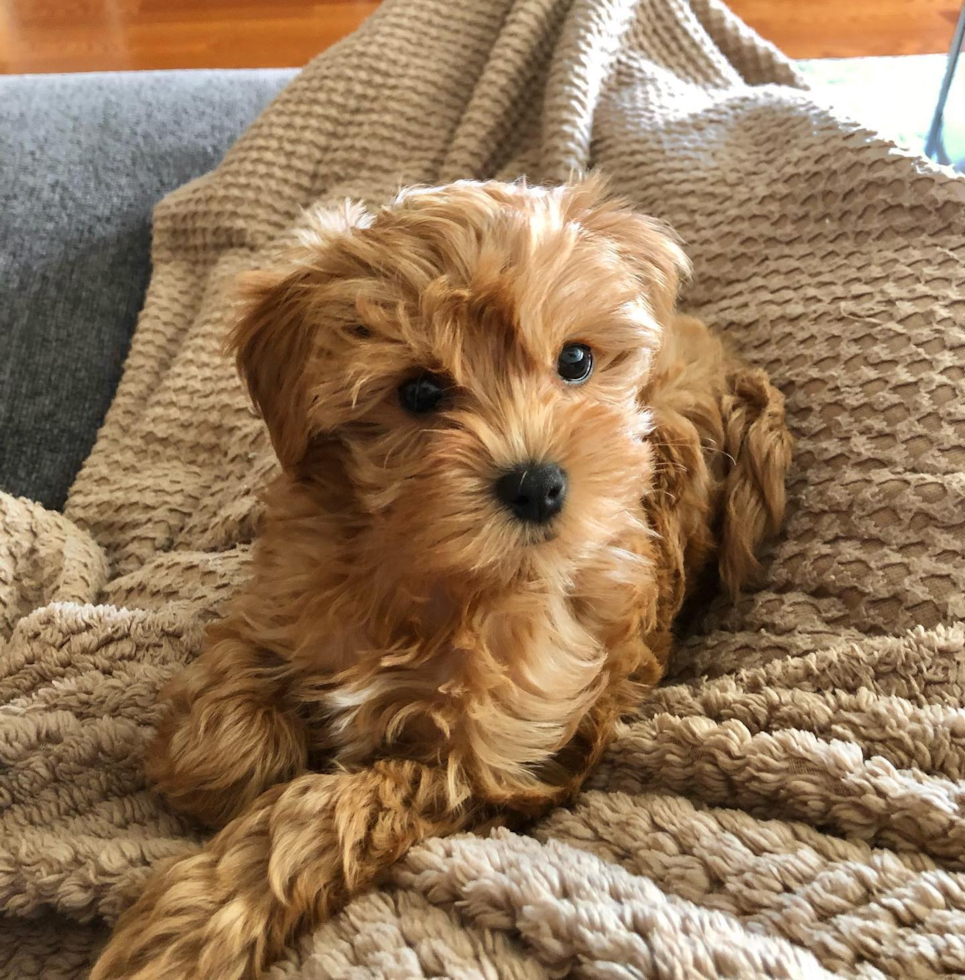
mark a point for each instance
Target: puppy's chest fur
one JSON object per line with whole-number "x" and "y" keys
{"x": 442, "y": 672}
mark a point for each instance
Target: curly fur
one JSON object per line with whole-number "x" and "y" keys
{"x": 407, "y": 660}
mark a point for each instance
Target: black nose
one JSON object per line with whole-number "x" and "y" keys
{"x": 533, "y": 492}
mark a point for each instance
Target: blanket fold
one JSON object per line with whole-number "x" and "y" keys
{"x": 790, "y": 802}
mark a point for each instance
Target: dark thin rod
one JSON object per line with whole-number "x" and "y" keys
{"x": 934, "y": 134}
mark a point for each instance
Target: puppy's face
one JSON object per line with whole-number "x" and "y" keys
{"x": 465, "y": 367}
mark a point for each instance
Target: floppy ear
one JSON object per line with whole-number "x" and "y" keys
{"x": 649, "y": 245}
{"x": 272, "y": 344}
{"x": 273, "y": 340}
{"x": 757, "y": 446}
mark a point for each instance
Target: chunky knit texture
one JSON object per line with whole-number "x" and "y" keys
{"x": 791, "y": 801}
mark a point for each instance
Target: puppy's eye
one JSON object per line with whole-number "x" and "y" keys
{"x": 575, "y": 363}
{"x": 422, "y": 394}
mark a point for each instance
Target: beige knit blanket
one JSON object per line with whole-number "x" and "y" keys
{"x": 791, "y": 801}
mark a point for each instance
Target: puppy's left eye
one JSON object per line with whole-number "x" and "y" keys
{"x": 422, "y": 394}
{"x": 575, "y": 363}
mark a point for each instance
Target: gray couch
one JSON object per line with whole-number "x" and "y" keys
{"x": 83, "y": 160}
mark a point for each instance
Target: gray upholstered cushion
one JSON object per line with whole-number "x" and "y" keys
{"x": 83, "y": 160}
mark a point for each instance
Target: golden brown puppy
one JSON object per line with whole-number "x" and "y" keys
{"x": 504, "y": 459}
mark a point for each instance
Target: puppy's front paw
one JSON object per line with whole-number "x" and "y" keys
{"x": 162, "y": 936}
{"x": 214, "y": 761}
{"x": 227, "y": 736}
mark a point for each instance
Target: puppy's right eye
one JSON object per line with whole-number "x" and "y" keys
{"x": 422, "y": 394}
{"x": 575, "y": 363}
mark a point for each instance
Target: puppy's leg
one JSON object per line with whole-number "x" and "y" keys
{"x": 758, "y": 447}
{"x": 227, "y": 735}
{"x": 291, "y": 860}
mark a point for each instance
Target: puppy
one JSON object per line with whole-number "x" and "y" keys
{"x": 504, "y": 461}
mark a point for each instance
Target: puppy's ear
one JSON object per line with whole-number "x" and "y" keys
{"x": 272, "y": 344}
{"x": 648, "y": 245}
{"x": 274, "y": 339}
{"x": 758, "y": 445}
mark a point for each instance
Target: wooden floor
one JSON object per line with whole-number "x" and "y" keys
{"x": 105, "y": 35}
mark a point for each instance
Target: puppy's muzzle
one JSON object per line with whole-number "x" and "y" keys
{"x": 533, "y": 492}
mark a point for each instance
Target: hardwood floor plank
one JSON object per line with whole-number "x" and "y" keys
{"x": 115, "y": 35}
{"x": 852, "y": 28}
{"x": 104, "y": 35}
